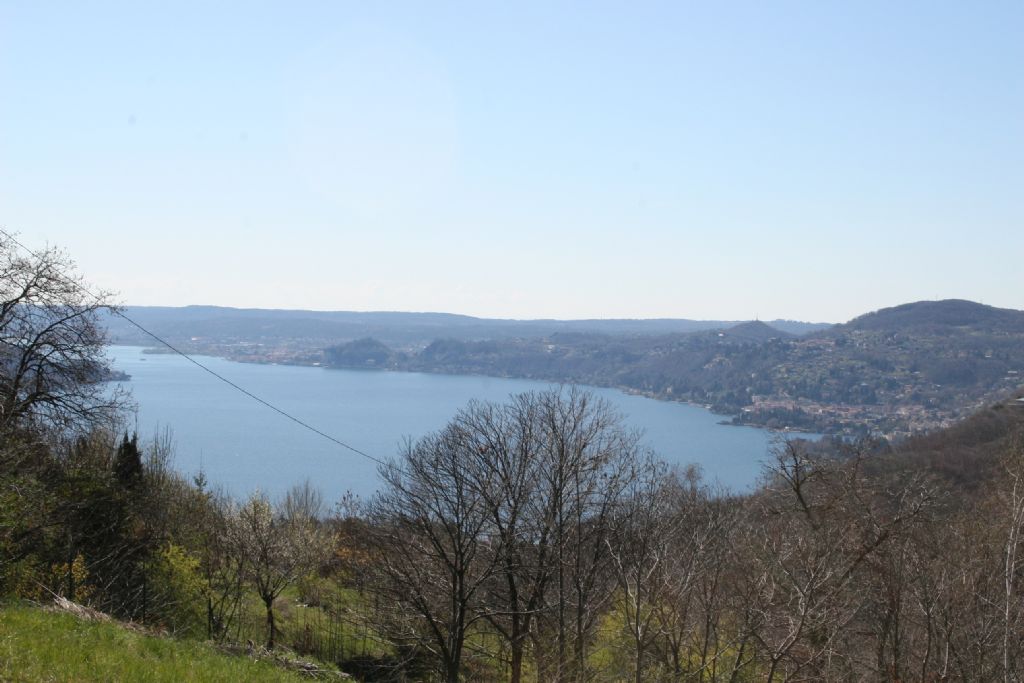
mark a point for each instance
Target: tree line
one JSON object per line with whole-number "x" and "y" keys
{"x": 531, "y": 540}
{"x": 536, "y": 540}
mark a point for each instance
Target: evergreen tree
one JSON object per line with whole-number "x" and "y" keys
{"x": 128, "y": 462}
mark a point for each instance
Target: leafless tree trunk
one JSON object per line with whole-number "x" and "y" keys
{"x": 816, "y": 526}
{"x": 433, "y": 550}
{"x": 506, "y": 458}
{"x": 641, "y": 541}
{"x": 279, "y": 544}
{"x": 52, "y": 362}
{"x": 589, "y": 458}
{"x": 1012, "y": 609}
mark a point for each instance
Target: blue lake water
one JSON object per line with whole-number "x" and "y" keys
{"x": 243, "y": 445}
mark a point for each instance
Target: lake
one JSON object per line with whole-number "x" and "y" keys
{"x": 243, "y": 445}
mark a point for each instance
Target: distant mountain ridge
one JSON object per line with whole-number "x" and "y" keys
{"x": 755, "y": 330}
{"x": 898, "y": 370}
{"x": 938, "y": 314}
{"x": 215, "y": 324}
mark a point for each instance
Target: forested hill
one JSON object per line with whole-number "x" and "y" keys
{"x": 940, "y": 316}
{"x": 214, "y": 327}
{"x": 896, "y": 371}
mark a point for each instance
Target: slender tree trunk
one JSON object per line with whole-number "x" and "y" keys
{"x": 517, "y": 633}
{"x": 271, "y": 628}
{"x": 517, "y": 660}
{"x": 561, "y": 591}
{"x": 1009, "y": 574}
{"x": 70, "y": 573}
{"x": 738, "y": 663}
{"x": 209, "y": 617}
{"x": 927, "y": 646}
{"x": 453, "y": 665}
{"x": 706, "y": 644}
{"x": 883, "y": 638}
{"x": 541, "y": 658}
{"x": 638, "y": 672}
{"x": 580, "y": 649}
{"x": 451, "y": 672}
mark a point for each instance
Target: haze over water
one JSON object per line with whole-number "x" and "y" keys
{"x": 243, "y": 445}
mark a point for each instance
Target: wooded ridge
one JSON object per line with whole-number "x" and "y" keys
{"x": 895, "y": 372}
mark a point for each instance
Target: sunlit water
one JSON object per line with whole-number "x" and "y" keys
{"x": 243, "y": 445}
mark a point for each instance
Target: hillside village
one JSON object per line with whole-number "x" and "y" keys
{"x": 892, "y": 373}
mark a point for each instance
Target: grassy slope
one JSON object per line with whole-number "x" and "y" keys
{"x": 293, "y": 619}
{"x": 37, "y": 645}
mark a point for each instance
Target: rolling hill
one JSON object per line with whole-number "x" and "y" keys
{"x": 896, "y": 371}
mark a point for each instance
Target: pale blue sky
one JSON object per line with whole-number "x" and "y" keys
{"x": 809, "y": 160}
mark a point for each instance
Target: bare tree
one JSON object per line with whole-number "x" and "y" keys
{"x": 814, "y": 529}
{"x": 432, "y": 550}
{"x": 51, "y": 367}
{"x": 640, "y": 544}
{"x": 502, "y": 517}
{"x": 222, "y": 566}
{"x": 698, "y": 568}
{"x": 1012, "y": 499}
{"x": 505, "y": 453}
{"x": 588, "y": 458}
{"x": 279, "y": 544}
{"x": 51, "y": 344}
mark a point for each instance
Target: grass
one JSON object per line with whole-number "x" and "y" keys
{"x": 39, "y": 645}
{"x": 340, "y": 639}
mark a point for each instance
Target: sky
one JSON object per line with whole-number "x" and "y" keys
{"x": 733, "y": 160}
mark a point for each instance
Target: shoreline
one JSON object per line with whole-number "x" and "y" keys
{"x": 629, "y": 391}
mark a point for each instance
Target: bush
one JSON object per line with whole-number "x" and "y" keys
{"x": 178, "y": 590}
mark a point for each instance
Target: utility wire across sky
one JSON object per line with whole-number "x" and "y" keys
{"x": 284, "y": 413}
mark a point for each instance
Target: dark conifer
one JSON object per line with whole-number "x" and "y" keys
{"x": 128, "y": 462}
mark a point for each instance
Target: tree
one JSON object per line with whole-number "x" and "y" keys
{"x": 51, "y": 345}
{"x": 588, "y": 458}
{"x": 814, "y": 530}
{"x": 1012, "y": 498}
{"x": 128, "y": 463}
{"x": 505, "y": 456}
{"x": 640, "y": 544}
{"x": 222, "y": 567}
{"x": 279, "y": 543}
{"x": 503, "y": 517}
{"x": 432, "y": 548}
{"x": 51, "y": 367}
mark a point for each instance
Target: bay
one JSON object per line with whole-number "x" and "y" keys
{"x": 242, "y": 445}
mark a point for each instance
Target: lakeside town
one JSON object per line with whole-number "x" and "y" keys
{"x": 893, "y": 377}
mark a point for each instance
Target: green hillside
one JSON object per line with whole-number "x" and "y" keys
{"x": 41, "y": 645}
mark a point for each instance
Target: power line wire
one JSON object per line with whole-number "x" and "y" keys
{"x": 222, "y": 378}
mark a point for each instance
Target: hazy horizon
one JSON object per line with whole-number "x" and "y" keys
{"x": 458, "y": 313}
{"x": 535, "y": 161}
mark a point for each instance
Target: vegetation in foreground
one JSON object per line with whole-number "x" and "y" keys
{"x": 42, "y": 645}
{"x": 528, "y": 541}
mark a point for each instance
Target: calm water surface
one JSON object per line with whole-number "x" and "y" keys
{"x": 243, "y": 445}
